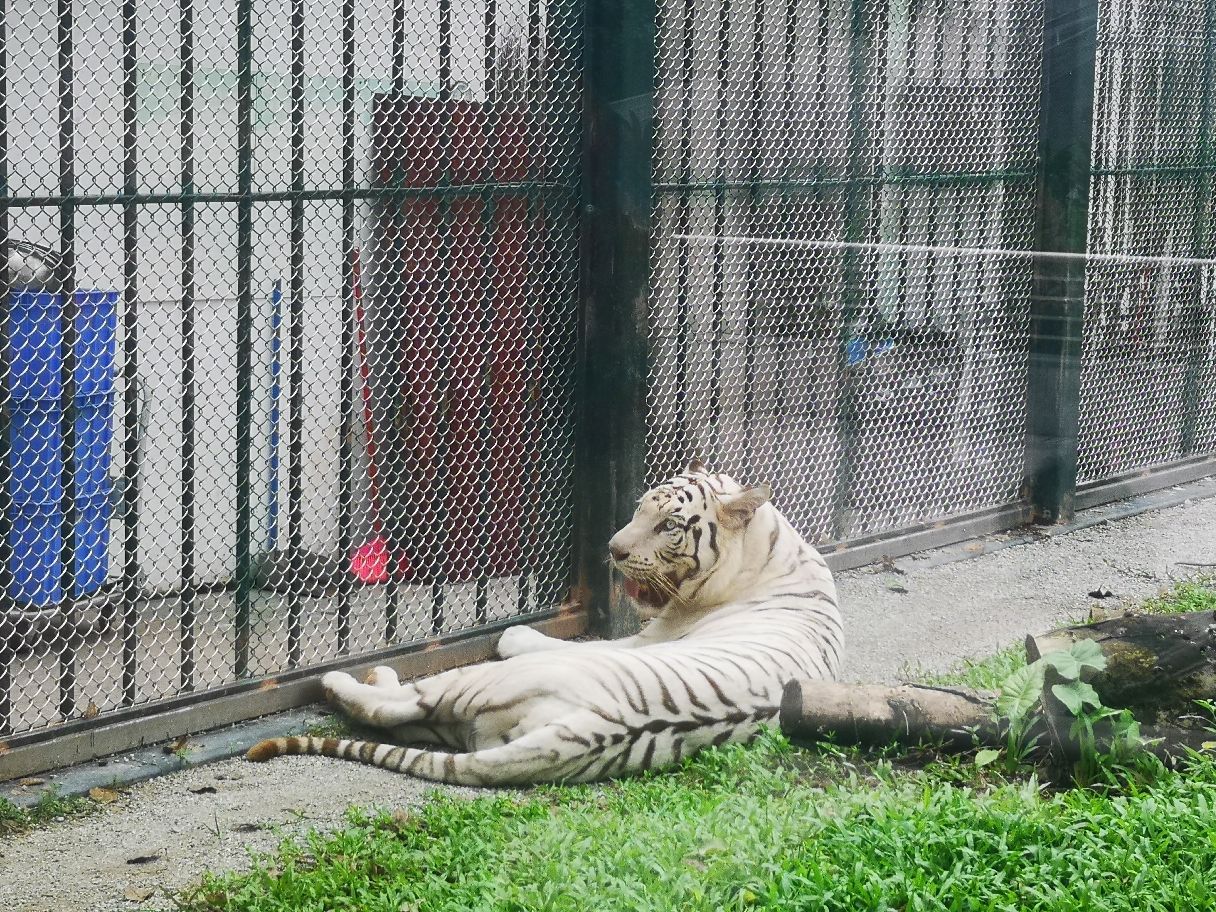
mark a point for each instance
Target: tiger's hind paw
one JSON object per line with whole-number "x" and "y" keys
{"x": 382, "y": 676}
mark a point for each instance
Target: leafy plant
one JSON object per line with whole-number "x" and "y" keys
{"x": 1020, "y": 695}
{"x": 1020, "y": 707}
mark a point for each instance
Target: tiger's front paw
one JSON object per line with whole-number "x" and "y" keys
{"x": 520, "y": 640}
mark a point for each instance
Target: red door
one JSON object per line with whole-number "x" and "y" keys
{"x": 454, "y": 314}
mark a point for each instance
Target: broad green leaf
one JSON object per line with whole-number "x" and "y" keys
{"x": 986, "y": 756}
{"x": 1020, "y": 692}
{"x": 1065, "y": 663}
{"x": 1088, "y": 654}
{"x": 1081, "y": 654}
{"x": 1075, "y": 695}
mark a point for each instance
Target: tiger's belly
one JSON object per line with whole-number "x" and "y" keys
{"x": 635, "y": 709}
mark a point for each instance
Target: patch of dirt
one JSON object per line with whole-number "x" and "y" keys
{"x": 162, "y": 835}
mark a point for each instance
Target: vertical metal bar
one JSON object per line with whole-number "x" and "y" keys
{"x": 1198, "y": 311}
{"x": 788, "y": 55}
{"x": 7, "y": 631}
{"x": 684, "y": 221}
{"x": 67, "y": 243}
{"x": 906, "y": 192}
{"x": 276, "y": 372}
{"x": 489, "y": 124}
{"x": 960, "y": 194}
{"x": 533, "y": 361}
{"x": 392, "y": 606}
{"x": 443, "y": 366}
{"x": 398, "y": 47}
{"x": 722, "y": 108}
{"x": 392, "y": 603}
{"x": 865, "y": 40}
{"x": 935, "y": 193}
{"x": 346, "y": 473}
{"x": 295, "y": 340}
{"x": 189, "y": 587}
{"x": 244, "y": 333}
{"x": 554, "y": 576}
{"x": 613, "y": 355}
{"x": 1057, "y": 306}
{"x": 130, "y": 362}
{"x": 960, "y": 320}
{"x": 754, "y": 208}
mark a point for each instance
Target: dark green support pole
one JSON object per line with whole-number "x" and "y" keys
{"x": 67, "y": 634}
{"x": 243, "y": 595}
{"x": 867, "y": 37}
{"x": 8, "y": 633}
{"x": 1057, "y": 305}
{"x": 130, "y": 357}
{"x": 611, "y": 457}
{"x": 1197, "y": 315}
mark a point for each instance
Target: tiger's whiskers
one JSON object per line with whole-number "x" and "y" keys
{"x": 667, "y": 587}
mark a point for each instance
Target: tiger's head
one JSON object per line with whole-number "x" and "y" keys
{"x": 682, "y": 532}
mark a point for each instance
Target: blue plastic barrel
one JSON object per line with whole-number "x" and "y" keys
{"x": 35, "y": 460}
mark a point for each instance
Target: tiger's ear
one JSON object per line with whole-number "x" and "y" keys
{"x": 696, "y": 467}
{"x": 735, "y": 511}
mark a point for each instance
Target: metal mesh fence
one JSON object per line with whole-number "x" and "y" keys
{"x": 827, "y": 311}
{"x": 292, "y": 301}
{"x": 1147, "y": 372}
{"x": 292, "y": 375}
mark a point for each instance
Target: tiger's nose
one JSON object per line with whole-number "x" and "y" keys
{"x": 618, "y": 553}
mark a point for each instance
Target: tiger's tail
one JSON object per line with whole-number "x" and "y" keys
{"x": 535, "y": 757}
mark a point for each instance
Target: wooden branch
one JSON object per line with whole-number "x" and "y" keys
{"x": 872, "y": 715}
{"x": 875, "y": 715}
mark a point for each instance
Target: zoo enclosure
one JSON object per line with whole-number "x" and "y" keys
{"x": 413, "y": 299}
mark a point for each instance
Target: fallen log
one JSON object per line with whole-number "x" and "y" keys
{"x": 948, "y": 719}
{"x": 1158, "y": 666}
{"x": 873, "y": 715}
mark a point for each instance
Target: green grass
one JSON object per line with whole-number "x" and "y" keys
{"x": 979, "y": 674}
{"x": 768, "y": 826}
{"x": 1197, "y": 595}
{"x": 15, "y": 819}
{"x": 765, "y": 827}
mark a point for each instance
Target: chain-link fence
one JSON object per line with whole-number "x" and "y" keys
{"x": 292, "y": 376}
{"x": 844, "y": 230}
{"x": 299, "y": 292}
{"x": 827, "y": 172}
{"x": 1148, "y": 390}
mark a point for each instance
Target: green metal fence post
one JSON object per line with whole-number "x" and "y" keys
{"x": 1061, "y": 226}
{"x": 243, "y": 596}
{"x": 610, "y": 465}
{"x": 867, "y": 36}
{"x": 1196, "y": 313}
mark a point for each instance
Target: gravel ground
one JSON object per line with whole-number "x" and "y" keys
{"x": 946, "y": 612}
{"x": 971, "y": 608}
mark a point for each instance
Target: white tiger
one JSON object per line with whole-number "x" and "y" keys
{"x": 741, "y": 605}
